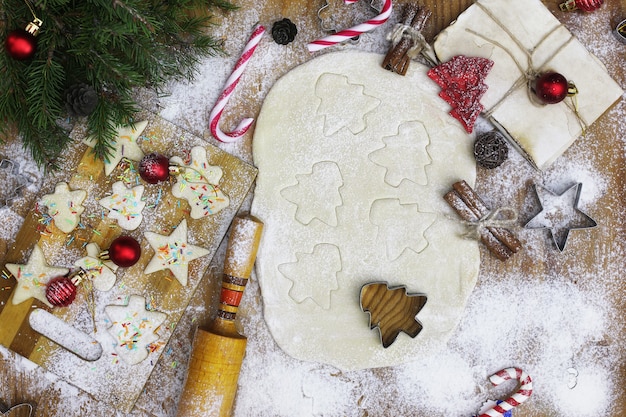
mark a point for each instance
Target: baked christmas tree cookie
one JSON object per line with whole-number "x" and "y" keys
{"x": 197, "y": 182}
{"x": 33, "y": 277}
{"x": 65, "y": 206}
{"x": 125, "y": 205}
{"x": 102, "y": 273}
{"x": 173, "y": 252}
{"x": 125, "y": 145}
{"x": 134, "y": 328}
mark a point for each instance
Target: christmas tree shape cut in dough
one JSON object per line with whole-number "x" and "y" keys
{"x": 125, "y": 205}
{"x": 343, "y": 105}
{"x": 314, "y": 275}
{"x": 134, "y": 328}
{"x": 400, "y": 226}
{"x": 404, "y": 156}
{"x": 65, "y": 206}
{"x": 33, "y": 277}
{"x": 317, "y": 194}
{"x": 392, "y": 310}
{"x": 197, "y": 182}
{"x": 125, "y": 145}
{"x": 173, "y": 252}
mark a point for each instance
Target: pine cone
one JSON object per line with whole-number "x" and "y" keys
{"x": 81, "y": 100}
{"x": 284, "y": 31}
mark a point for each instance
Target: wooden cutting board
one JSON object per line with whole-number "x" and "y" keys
{"x": 109, "y": 378}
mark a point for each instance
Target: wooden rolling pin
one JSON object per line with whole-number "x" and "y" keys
{"x": 218, "y": 351}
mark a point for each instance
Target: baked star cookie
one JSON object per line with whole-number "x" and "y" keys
{"x": 134, "y": 328}
{"x": 198, "y": 182}
{"x": 125, "y": 146}
{"x": 33, "y": 277}
{"x": 173, "y": 252}
{"x": 125, "y": 205}
{"x": 65, "y": 206}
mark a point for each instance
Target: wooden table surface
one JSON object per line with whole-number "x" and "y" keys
{"x": 603, "y": 146}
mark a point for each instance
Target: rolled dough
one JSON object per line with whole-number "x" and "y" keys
{"x": 353, "y": 163}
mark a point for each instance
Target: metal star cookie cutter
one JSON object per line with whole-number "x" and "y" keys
{"x": 545, "y": 218}
{"x": 12, "y": 180}
{"x": 328, "y": 17}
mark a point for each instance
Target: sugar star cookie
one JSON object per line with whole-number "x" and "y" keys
{"x": 65, "y": 206}
{"x": 173, "y": 252}
{"x": 125, "y": 146}
{"x": 33, "y": 277}
{"x": 134, "y": 328}
{"x": 125, "y": 205}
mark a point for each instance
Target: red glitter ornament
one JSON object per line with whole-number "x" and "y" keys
{"x": 584, "y": 5}
{"x": 124, "y": 251}
{"x": 61, "y": 291}
{"x": 551, "y": 87}
{"x": 154, "y": 168}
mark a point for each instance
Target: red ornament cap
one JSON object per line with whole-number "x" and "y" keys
{"x": 154, "y": 168}
{"x": 124, "y": 251}
{"x": 60, "y": 291}
{"x": 551, "y": 87}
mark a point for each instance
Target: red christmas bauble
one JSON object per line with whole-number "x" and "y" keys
{"x": 20, "y": 44}
{"x": 124, "y": 251}
{"x": 60, "y": 291}
{"x": 589, "y": 5}
{"x": 154, "y": 168}
{"x": 551, "y": 87}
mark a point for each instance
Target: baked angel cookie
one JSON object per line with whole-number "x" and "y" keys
{"x": 125, "y": 205}
{"x": 134, "y": 328}
{"x": 65, "y": 206}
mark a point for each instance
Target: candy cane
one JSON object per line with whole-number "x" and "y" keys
{"x": 357, "y": 30}
{"x": 231, "y": 83}
{"x": 522, "y": 394}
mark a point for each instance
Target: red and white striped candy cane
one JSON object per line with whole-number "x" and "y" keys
{"x": 231, "y": 83}
{"x": 357, "y": 30}
{"x": 522, "y": 394}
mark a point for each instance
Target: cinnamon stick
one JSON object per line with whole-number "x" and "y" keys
{"x": 480, "y": 209}
{"x": 501, "y": 251}
{"x": 397, "y": 59}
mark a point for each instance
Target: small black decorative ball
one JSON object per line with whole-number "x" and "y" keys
{"x": 284, "y": 31}
{"x": 81, "y": 100}
{"x": 490, "y": 149}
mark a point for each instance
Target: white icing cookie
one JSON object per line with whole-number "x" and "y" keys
{"x": 134, "y": 328}
{"x": 102, "y": 273}
{"x": 125, "y": 145}
{"x": 352, "y": 173}
{"x": 65, "y": 206}
{"x": 198, "y": 184}
{"x": 173, "y": 252}
{"x": 33, "y": 277}
{"x": 125, "y": 205}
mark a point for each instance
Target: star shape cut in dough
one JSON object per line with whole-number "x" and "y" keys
{"x": 33, "y": 277}
{"x": 197, "y": 182}
{"x": 560, "y": 214}
{"x": 134, "y": 328}
{"x": 173, "y": 252}
{"x": 125, "y": 145}
{"x": 65, "y": 206}
{"x": 102, "y": 273}
{"x": 125, "y": 205}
